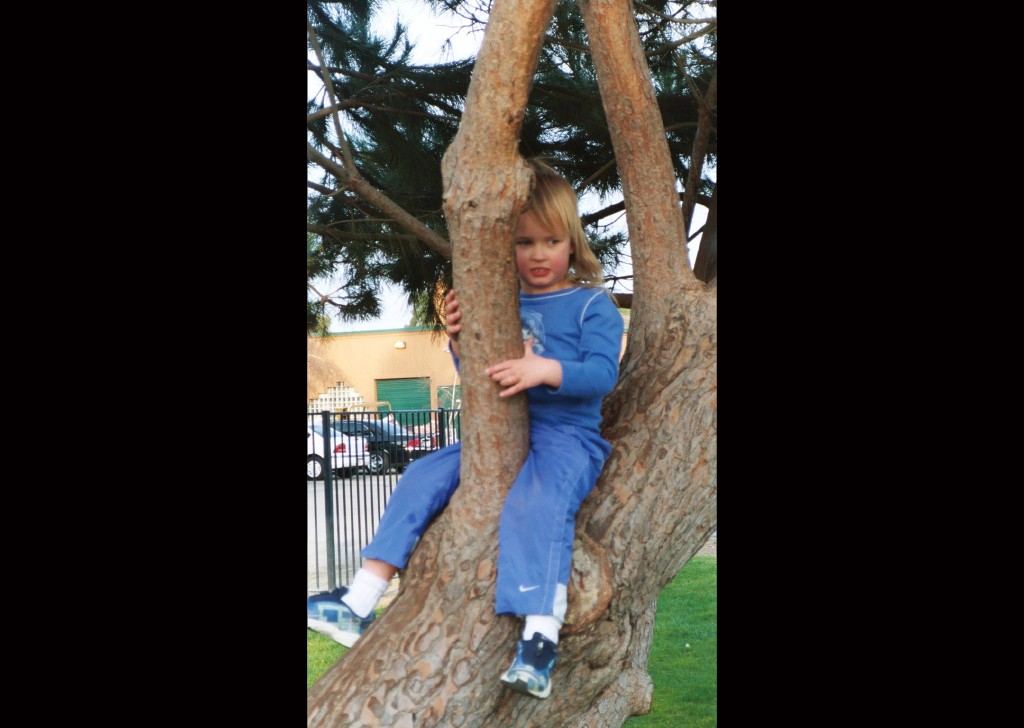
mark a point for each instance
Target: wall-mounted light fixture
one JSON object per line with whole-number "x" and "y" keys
{"x": 399, "y": 344}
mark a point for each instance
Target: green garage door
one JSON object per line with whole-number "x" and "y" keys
{"x": 404, "y": 394}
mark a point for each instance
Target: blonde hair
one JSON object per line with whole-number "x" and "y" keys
{"x": 553, "y": 201}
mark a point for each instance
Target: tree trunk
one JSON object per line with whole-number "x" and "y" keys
{"x": 433, "y": 659}
{"x": 705, "y": 266}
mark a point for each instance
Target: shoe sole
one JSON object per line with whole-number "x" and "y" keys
{"x": 521, "y": 686}
{"x": 326, "y": 628}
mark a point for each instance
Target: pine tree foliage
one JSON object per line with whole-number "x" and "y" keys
{"x": 398, "y": 118}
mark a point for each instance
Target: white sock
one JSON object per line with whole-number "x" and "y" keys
{"x": 543, "y": 623}
{"x": 364, "y": 592}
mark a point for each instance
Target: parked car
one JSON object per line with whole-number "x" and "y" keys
{"x": 387, "y": 441}
{"x": 429, "y": 436}
{"x": 350, "y": 453}
{"x": 420, "y": 444}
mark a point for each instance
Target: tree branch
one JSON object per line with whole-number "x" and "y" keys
{"x": 329, "y": 85}
{"x": 358, "y": 104}
{"x": 350, "y": 179}
{"x": 320, "y": 188}
{"x": 347, "y": 104}
{"x": 375, "y": 80}
{"x": 604, "y": 168}
{"x": 668, "y": 47}
{"x": 343, "y": 235}
{"x": 566, "y": 43}
{"x": 705, "y": 102}
{"x": 671, "y": 18}
{"x": 705, "y": 266}
{"x": 592, "y": 217}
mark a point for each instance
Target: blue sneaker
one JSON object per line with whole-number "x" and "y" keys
{"x": 328, "y": 615}
{"x": 530, "y": 672}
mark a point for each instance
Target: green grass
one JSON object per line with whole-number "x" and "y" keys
{"x": 321, "y": 653}
{"x": 684, "y": 654}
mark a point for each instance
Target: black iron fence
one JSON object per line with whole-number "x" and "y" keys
{"x": 353, "y": 462}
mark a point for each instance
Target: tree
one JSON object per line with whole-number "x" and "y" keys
{"x": 434, "y": 657}
{"x": 400, "y": 119}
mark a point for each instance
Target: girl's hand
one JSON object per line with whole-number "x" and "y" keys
{"x": 452, "y": 319}
{"x": 530, "y": 371}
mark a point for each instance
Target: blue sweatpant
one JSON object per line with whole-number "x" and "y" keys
{"x": 538, "y": 519}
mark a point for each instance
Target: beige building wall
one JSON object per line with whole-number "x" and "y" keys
{"x": 365, "y": 357}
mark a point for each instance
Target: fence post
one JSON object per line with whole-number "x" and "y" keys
{"x": 442, "y": 427}
{"x": 325, "y": 417}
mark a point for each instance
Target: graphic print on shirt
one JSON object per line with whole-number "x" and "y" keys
{"x": 533, "y": 328}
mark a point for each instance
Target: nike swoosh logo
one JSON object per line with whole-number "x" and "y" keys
{"x": 528, "y": 588}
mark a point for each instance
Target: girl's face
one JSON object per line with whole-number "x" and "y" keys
{"x": 542, "y": 255}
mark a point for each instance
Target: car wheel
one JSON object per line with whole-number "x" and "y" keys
{"x": 378, "y": 463}
{"x": 314, "y": 467}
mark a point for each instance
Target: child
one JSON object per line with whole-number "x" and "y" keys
{"x": 573, "y": 335}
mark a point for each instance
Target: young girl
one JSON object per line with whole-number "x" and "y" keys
{"x": 573, "y": 336}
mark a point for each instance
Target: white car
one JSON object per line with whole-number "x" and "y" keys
{"x": 349, "y": 452}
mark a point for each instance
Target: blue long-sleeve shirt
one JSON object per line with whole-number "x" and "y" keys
{"x": 582, "y": 329}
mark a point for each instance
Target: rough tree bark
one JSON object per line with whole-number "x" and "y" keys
{"x": 434, "y": 657}
{"x": 656, "y": 502}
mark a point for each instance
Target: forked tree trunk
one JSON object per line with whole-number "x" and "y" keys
{"x": 433, "y": 659}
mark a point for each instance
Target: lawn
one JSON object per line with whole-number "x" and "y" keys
{"x": 684, "y": 655}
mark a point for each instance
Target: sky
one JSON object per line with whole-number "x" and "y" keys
{"x": 428, "y": 33}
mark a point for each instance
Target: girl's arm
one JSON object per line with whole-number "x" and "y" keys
{"x": 597, "y": 370}
{"x": 514, "y": 374}
{"x": 594, "y": 375}
{"x": 530, "y": 371}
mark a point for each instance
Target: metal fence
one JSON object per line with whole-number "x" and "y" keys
{"x": 363, "y": 454}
